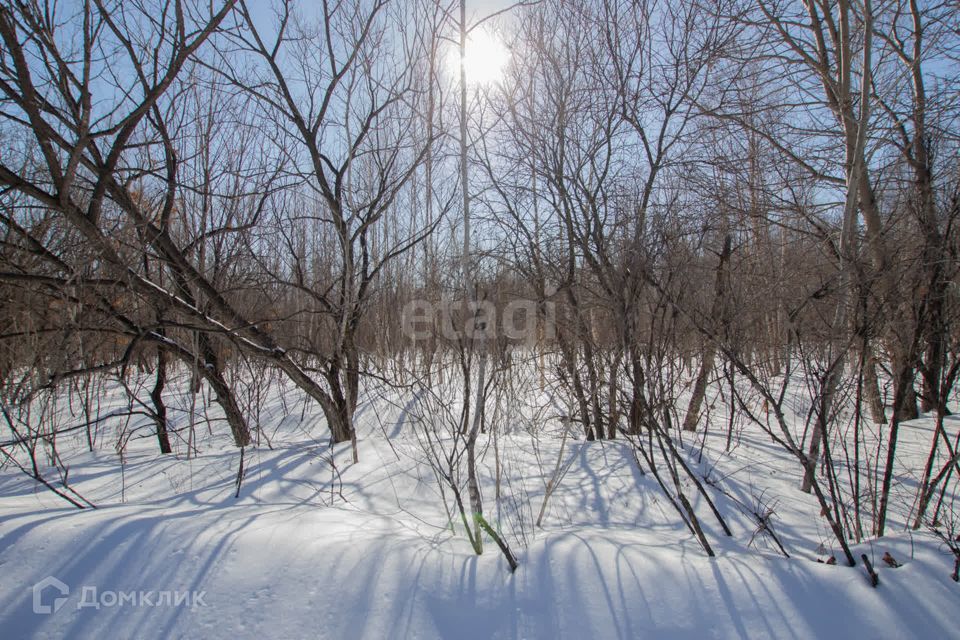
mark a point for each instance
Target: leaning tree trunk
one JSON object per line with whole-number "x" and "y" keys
{"x": 212, "y": 372}
{"x": 710, "y": 352}
{"x": 338, "y": 407}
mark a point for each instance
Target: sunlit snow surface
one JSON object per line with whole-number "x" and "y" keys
{"x": 305, "y": 553}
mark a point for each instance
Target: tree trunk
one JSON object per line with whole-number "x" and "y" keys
{"x": 902, "y": 394}
{"x": 871, "y": 386}
{"x": 159, "y": 408}
{"x": 212, "y": 373}
{"x": 710, "y": 351}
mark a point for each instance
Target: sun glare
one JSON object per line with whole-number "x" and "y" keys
{"x": 485, "y": 59}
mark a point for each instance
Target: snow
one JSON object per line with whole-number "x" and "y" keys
{"x": 366, "y": 550}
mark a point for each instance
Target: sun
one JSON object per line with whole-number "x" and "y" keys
{"x": 485, "y": 59}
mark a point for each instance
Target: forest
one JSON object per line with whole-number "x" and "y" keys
{"x": 463, "y": 276}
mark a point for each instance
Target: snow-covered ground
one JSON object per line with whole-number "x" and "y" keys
{"x": 315, "y": 546}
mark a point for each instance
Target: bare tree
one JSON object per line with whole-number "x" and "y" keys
{"x": 330, "y": 83}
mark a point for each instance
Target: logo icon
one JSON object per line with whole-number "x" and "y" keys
{"x": 49, "y": 583}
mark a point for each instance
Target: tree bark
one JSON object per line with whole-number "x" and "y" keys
{"x": 159, "y": 408}
{"x": 710, "y": 350}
